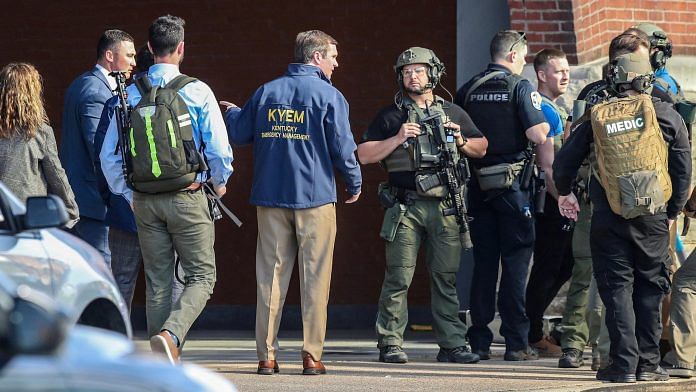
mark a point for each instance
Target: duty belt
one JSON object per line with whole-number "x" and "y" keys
{"x": 408, "y": 196}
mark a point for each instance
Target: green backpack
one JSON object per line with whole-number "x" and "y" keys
{"x": 163, "y": 155}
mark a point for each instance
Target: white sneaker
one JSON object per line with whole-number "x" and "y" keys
{"x": 163, "y": 343}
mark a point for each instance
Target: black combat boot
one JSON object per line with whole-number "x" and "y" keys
{"x": 571, "y": 358}
{"x": 392, "y": 354}
{"x": 460, "y": 354}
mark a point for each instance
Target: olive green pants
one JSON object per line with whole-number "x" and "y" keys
{"x": 583, "y": 313}
{"x": 683, "y": 315}
{"x": 180, "y": 222}
{"x": 422, "y": 222}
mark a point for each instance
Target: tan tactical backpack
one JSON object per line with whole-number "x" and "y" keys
{"x": 631, "y": 156}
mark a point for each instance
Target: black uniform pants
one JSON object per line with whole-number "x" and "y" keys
{"x": 502, "y": 231}
{"x": 553, "y": 265}
{"x": 630, "y": 259}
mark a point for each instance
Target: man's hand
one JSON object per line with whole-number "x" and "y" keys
{"x": 228, "y": 105}
{"x": 458, "y": 139}
{"x": 408, "y": 130}
{"x": 220, "y": 190}
{"x": 353, "y": 199}
{"x": 568, "y": 206}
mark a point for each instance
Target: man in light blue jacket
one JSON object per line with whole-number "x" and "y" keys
{"x": 177, "y": 220}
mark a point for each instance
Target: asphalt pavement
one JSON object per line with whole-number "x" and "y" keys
{"x": 351, "y": 361}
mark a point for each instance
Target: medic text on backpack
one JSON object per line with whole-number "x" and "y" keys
{"x": 631, "y": 156}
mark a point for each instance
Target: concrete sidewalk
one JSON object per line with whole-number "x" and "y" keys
{"x": 351, "y": 361}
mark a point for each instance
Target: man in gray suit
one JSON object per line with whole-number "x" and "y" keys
{"x": 82, "y": 109}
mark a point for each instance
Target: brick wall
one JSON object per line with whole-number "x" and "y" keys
{"x": 583, "y": 28}
{"x": 546, "y": 23}
{"x": 235, "y": 47}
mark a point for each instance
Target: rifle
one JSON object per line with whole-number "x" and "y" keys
{"x": 455, "y": 174}
{"x": 123, "y": 122}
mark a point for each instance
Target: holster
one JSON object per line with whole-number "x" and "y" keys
{"x": 392, "y": 219}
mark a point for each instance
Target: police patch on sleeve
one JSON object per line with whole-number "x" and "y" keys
{"x": 536, "y": 100}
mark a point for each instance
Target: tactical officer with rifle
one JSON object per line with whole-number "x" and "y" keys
{"x": 422, "y": 140}
{"x": 507, "y": 109}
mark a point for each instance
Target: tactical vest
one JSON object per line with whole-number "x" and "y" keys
{"x": 492, "y": 108}
{"x": 422, "y": 153}
{"x": 685, "y": 108}
{"x": 563, "y": 114}
{"x": 631, "y": 156}
{"x": 163, "y": 155}
{"x": 664, "y": 86}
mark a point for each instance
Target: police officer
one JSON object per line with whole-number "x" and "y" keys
{"x": 403, "y": 139}
{"x": 507, "y": 109}
{"x": 629, "y": 236}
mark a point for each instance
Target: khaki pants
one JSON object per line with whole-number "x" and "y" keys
{"x": 284, "y": 234}
{"x": 683, "y": 314}
{"x": 181, "y": 222}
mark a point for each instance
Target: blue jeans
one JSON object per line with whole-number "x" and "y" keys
{"x": 95, "y": 233}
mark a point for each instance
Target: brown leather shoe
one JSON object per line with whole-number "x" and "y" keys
{"x": 312, "y": 367}
{"x": 162, "y": 343}
{"x": 547, "y": 348}
{"x": 267, "y": 368}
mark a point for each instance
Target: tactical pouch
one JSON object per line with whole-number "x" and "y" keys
{"x": 641, "y": 194}
{"x": 386, "y": 198}
{"x": 497, "y": 177}
{"x": 392, "y": 219}
{"x": 430, "y": 185}
{"x": 687, "y": 110}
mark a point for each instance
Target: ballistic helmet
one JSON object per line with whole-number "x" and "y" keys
{"x": 630, "y": 71}
{"x": 658, "y": 39}
{"x": 417, "y": 55}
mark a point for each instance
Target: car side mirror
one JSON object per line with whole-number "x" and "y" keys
{"x": 33, "y": 326}
{"x": 45, "y": 211}
{"x": 35, "y": 330}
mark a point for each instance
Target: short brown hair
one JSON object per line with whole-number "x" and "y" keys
{"x": 110, "y": 40}
{"x": 308, "y": 42}
{"x": 22, "y": 109}
{"x": 505, "y": 42}
{"x": 627, "y": 42}
{"x": 542, "y": 58}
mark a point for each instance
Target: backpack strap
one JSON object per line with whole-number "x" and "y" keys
{"x": 479, "y": 82}
{"x": 179, "y": 82}
{"x": 144, "y": 86}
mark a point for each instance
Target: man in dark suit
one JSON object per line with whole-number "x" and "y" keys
{"x": 82, "y": 109}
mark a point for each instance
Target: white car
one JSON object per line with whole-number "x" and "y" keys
{"x": 36, "y": 354}
{"x": 35, "y": 253}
